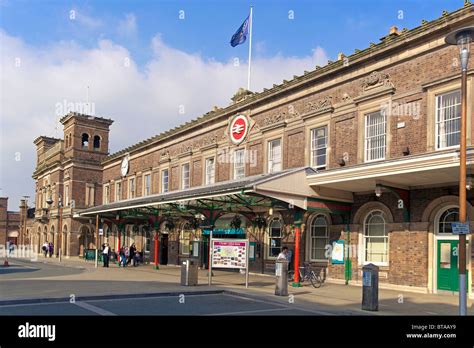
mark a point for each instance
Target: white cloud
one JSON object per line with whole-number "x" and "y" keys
{"x": 128, "y": 26}
{"x": 142, "y": 101}
{"x": 87, "y": 21}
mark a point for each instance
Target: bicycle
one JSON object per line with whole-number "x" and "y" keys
{"x": 307, "y": 273}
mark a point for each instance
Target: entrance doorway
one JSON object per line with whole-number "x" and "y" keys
{"x": 448, "y": 265}
{"x": 163, "y": 249}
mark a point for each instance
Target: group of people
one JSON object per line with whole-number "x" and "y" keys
{"x": 126, "y": 256}
{"x": 48, "y": 249}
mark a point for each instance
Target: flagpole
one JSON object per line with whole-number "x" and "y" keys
{"x": 250, "y": 47}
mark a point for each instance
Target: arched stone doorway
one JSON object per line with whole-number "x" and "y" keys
{"x": 86, "y": 239}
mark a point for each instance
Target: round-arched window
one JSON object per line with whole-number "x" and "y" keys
{"x": 444, "y": 222}
{"x": 375, "y": 238}
{"x": 319, "y": 238}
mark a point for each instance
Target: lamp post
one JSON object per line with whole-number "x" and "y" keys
{"x": 60, "y": 211}
{"x": 462, "y": 38}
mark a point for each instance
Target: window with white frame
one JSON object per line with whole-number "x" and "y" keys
{"x": 185, "y": 176}
{"x": 165, "y": 180}
{"x": 448, "y": 119}
{"x": 319, "y": 238}
{"x": 375, "y": 238}
{"x": 106, "y": 198}
{"x": 118, "y": 191}
{"x": 274, "y": 155}
{"x": 90, "y": 193}
{"x": 66, "y": 195}
{"x": 147, "y": 184}
{"x": 375, "y": 136}
{"x": 184, "y": 241}
{"x": 275, "y": 236}
{"x": 210, "y": 171}
{"x": 449, "y": 216}
{"x": 239, "y": 164}
{"x": 319, "y": 145}
{"x": 131, "y": 188}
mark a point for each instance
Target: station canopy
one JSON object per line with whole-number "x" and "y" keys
{"x": 247, "y": 196}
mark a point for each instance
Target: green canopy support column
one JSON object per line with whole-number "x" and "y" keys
{"x": 348, "y": 261}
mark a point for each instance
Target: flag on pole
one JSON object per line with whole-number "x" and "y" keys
{"x": 241, "y": 34}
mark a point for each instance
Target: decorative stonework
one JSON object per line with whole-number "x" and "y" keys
{"x": 375, "y": 85}
{"x": 346, "y": 98}
{"x": 324, "y": 103}
{"x": 272, "y": 119}
{"x": 208, "y": 142}
{"x": 321, "y": 106}
{"x": 376, "y": 79}
{"x": 241, "y": 95}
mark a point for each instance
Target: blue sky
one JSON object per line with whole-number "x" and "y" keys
{"x": 338, "y": 26}
{"x": 149, "y": 70}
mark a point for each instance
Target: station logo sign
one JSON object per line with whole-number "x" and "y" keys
{"x": 238, "y": 129}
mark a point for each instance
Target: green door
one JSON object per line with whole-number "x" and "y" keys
{"x": 448, "y": 271}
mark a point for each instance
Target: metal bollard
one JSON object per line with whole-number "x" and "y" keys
{"x": 281, "y": 273}
{"x": 370, "y": 287}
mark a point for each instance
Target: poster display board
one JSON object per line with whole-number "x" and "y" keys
{"x": 230, "y": 253}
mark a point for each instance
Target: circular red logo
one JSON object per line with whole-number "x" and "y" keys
{"x": 238, "y": 129}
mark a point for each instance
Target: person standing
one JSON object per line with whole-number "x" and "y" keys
{"x": 131, "y": 257}
{"x": 106, "y": 254}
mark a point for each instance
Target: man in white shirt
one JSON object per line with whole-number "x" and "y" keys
{"x": 106, "y": 254}
{"x": 283, "y": 254}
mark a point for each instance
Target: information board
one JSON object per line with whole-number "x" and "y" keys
{"x": 337, "y": 254}
{"x": 229, "y": 253}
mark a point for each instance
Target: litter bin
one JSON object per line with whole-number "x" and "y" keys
{"x": 281, "y": 273}
{"x": 370, "y": 287}
{"x": 189, "y": 272}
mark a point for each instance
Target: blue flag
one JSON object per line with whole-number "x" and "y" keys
{"x": 241, "y": 34}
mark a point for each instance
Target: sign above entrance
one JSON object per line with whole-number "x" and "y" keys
{"x": 238, "y": 129}
{"x": 460, "y": 228}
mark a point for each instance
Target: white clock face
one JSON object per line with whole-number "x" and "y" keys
{"x": 124, "y": 166}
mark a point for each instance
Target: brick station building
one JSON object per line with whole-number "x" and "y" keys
{"x": 362, "y": 152}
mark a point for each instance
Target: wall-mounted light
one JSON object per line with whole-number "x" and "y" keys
{"x": 378, "y": 190}
{"x": 117, "y": 217}
{"x": 270, "y": 211}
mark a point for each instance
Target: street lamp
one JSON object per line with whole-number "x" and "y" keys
{"x": 462, "y": 38}
{"x": 60, "y": 208}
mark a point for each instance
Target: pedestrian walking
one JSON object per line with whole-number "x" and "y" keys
{"x": 45, "y": 248}
{"x": 106, "y": 255}
{"x": 123, "y": 256}
{"x": 50, "y": 249}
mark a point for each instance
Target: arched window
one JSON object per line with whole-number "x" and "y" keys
{"x": 375, "y": 238}
{"x": 85, "y": 140}
{"x": 319, "y": 238}
{"x": 448, "y": 216}
{"x": 275, "y": 235}
{"x": 70, "y": 140}
{"x": 96, "y": 142}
